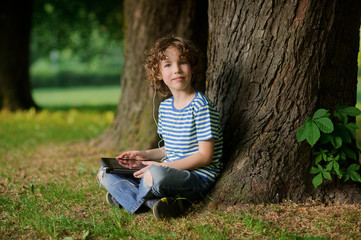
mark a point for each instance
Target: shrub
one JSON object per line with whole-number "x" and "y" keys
{"x": 333, "y": 139}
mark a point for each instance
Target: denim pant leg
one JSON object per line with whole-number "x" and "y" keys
{"x": 167, "y": 182}
{"x": 128, "y": 191}
{"x": 171, "y": 182}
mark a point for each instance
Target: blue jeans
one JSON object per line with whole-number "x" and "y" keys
{"x": 167, "y": 182}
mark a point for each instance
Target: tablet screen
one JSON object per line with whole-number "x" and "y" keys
{"x": 113, "y": 163}
{"x": 131, "y": 163}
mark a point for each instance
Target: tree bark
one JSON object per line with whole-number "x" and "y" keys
{"x": 15, "y": 89}
{"x": 270, "y": 64}
{"x": 147, "y": 21}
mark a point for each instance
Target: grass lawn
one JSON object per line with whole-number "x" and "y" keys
{"x": 48, "y": 188}
{"x": 78, "y": 97}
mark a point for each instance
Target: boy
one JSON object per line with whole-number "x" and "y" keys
{"x": 188, "y": 123}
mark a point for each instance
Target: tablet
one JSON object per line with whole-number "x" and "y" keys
{"x": 123, "y": 166}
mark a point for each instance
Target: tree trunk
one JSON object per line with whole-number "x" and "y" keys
{"x": 270, "y": 64}
{"x": 15, "y": 89}
{"x": 147, "y": 21}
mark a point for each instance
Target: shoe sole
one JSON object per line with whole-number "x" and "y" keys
{"x": 109, "y": 202}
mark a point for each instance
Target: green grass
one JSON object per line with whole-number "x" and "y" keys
{"x": 79, "y": 97}
{"x": 48, "y": 188}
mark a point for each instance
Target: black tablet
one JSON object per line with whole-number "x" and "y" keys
{"x": 123, "y": 166}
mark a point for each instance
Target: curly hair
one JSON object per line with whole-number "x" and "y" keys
{"x": 157, "y": 53}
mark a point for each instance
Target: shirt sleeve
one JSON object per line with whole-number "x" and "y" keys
{"x": 207, "y": 123}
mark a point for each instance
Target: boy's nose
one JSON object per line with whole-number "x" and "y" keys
{"x": 178, "y": 69}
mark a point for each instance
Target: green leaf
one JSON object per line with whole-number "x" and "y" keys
{"x": 343, "y": 155}
{"x": 318, "y": 158}
{"x": 324, "y": 124}
{"x": 302, "y": 131}
{"x": 351, "y": 127}
{"x": 316, "y": 181}
{"x": 329, "y": 166}
{"x": 320, "y": 113}
{"x": 312, "y": 132}
{"x": 351, "y": 111}
{"x": 320, "y": 167}
{"x": 354, "y": 167}
{"x": 351, "y": 172}
{"x": 314, "y": 170}
{"x": 327, "y": 175}
{"x": 355, "y": 176}
{"x": 324, "y": 155}
{"x": 340, "y": 116}
{"x": 336, "y": 167}
{"x": 336, "y": 141}
{"x": 329, "y": 159}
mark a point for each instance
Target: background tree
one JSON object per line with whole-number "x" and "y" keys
{"x": 76, "y": 43}
{"x": 57, "y": 25}
{"x": 15, "y": 92}
{"x": 272, "y": 63}
{"x": 147, "y": 21}
{"x": 60, "y": 24}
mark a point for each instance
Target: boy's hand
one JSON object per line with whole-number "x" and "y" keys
{"x": 140, "y": 173}
{"x": 137, "y": 155}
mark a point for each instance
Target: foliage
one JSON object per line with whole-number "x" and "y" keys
{"x": 76, "y": 43}
{"x": 59, "y": 24}
{"x": 333, "y": 140}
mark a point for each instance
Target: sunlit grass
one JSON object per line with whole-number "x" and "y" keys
{"x": 77, "y": 96}
{"x": 23, "y": 131}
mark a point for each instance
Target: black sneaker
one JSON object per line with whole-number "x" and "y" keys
{"x": 110, "y": 200}
{"x": 168, "y": 208}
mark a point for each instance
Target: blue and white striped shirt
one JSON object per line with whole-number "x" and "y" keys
{"x": 182, "y": 129}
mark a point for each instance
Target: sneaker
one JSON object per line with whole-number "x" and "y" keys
{"x": 110, "y": 200}
{"x": 168, "y": 208}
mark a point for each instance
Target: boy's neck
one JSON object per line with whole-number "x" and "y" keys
{"x": 183, "y": 99}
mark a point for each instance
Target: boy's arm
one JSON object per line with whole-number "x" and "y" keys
{"x": 155, "y": 154}
{"x": 201, "y": 158}
{"x": 151, "y": 154}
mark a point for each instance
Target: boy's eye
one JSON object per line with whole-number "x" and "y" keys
{"x": 167, "y": 65}
{"x": 184, "y": 62}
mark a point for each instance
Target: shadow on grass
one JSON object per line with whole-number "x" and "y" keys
{"x": 95, "y": 108}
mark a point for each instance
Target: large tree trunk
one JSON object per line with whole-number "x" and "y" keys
{"x": 15, "y": 21}
{"x": 270, "y": 64}
{"x": 146, "y": 21}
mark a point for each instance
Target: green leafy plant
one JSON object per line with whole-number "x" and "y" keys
{"x": 333, "y": 139}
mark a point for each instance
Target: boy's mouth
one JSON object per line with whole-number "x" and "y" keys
{"x": 178, "y": 79}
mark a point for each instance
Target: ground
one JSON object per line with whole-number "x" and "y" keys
{"x": 61, "y": 177}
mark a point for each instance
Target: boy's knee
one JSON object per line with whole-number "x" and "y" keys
{"x": 100, "y": 176}
{"x": 148, "y": 179}
{"x": 158, "y": 175}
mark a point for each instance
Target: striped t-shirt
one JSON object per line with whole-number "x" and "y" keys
{"x": 182, "y": 129}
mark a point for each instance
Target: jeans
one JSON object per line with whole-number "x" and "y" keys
{"x": 167, "y": 182}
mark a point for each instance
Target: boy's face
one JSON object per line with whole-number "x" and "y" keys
{"x": 176, "y": 71}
